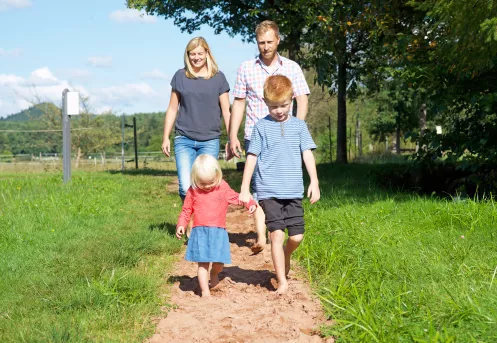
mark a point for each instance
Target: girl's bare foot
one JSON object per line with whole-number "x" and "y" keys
{"x": 214, "y": 280}
{"x": 206, "y": 294}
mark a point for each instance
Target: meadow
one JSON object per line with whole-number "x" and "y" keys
{"x": 88, "y": 261}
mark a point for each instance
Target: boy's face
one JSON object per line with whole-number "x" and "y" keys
{"x": 279, "y": 111}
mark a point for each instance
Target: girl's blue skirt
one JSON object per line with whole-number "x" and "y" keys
{"x": 208, "y": 244}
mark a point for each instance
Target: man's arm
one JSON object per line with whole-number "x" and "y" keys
{"x": 302, "y": 106}
{"x": 310, "y": 164}
{"x": 236, "y": 118}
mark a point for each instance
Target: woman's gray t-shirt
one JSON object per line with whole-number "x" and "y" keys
{"x": 199, "y": 115}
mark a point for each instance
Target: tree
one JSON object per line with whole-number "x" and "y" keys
{"x": 332, "y": 36}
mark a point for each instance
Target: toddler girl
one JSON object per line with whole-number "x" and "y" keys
{"x": 208, "y": 199}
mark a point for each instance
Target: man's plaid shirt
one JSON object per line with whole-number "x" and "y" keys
{"x": 250, "y": 85}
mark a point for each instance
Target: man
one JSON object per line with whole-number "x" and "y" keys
{"x": 249, "y": 88}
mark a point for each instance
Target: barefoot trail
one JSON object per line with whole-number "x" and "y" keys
{"x": 244, "y": 306}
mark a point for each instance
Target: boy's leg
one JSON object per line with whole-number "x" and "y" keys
{"x": 215, "y": 270}
{"x": 278, "y": 254}
{"x": 294, "y": 221}
{"x": 203, "y": 278}
{"x": 292, "y": 243}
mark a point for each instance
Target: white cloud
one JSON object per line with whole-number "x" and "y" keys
{"x": 100, "y": 62}
{"x": 132, "y": 16}
{"x": 10, "y": 80}
{"x": 155, "y": 74}
{"x": 43, "y": 77}
{"x": 10, "y": 53}
{"x": 10, "y": 4}
{"x": 75, "y": 73}
{"x": 18, "y": 93}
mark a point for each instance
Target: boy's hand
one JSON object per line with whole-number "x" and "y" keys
{"x": 313, "y": 192}
{"x": 252, "y": 209}
{"x": 180, "y": 231}
{"x": 244, "y": 197}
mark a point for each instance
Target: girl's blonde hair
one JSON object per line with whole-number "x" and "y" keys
{"x": 212, "y": 68}
{"x": 205, "y": 167}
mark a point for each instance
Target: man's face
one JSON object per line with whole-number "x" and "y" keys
{"x": 268, "y": 44}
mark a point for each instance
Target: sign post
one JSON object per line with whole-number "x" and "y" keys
{"x": 70, "y": 106}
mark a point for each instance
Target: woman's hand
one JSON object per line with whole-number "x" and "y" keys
{"x": 166, "y": 147}
{"x": 180, "y": 231}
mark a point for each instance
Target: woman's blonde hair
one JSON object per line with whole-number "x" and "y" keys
{"x": 212, "y": 68}
{"x": 205, "y": 167}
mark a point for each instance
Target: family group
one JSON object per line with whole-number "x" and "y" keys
{"x": 275, "y": 143}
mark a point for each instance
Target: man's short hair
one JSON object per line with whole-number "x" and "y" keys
{"x": 278, "y": 89}
{"x": 265, "y": 26}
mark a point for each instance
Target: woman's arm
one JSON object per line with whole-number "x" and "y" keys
{"x": 169, "y": 120}
{"x": 224, "y": 103}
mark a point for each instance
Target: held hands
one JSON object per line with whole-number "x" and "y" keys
{"x": 313, "y": 192}
{"x": 229, "y": 154}
{"x": 252, "y": 209}
{"x": 166, "y": 147}
{"x": 235, "y": 147}
{"x": 180, "y": 231}
{"x": 244, "y": 197}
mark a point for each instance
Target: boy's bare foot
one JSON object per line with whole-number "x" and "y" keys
{"x": 206, "y": 294}
{"x": 282, "y": 288}
{"x": 257, "y": 248}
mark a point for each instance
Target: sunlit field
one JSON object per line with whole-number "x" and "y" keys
{"x": 88, "y": 261}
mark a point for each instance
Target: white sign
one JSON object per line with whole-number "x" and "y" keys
{"x": 72, "y": 103}
{"x": 439, "y": 129}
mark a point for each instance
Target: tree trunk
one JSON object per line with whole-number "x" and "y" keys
{"x": 397, "y": 138}
{"x": 78, "y": 157}
{"x": 342, "y": 113}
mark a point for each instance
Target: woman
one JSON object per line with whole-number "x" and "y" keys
{"x": 199, "y": 96}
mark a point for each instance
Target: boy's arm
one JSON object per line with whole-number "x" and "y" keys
{"x": 310, "y": 164}
{"x": 233, "y": 198}
{"x": 248, "y": 171}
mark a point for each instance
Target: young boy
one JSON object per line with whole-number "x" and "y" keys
{"x": 278, "y": 144}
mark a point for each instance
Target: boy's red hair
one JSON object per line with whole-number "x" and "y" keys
{"x": 278, "y": 89}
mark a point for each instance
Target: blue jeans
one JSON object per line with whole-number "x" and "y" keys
{"x": 186, "y": 151}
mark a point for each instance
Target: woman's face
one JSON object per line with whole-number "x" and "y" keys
{"x": 198, "y": 57}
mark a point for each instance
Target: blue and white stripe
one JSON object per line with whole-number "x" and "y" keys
{"x": 278, "y": 147}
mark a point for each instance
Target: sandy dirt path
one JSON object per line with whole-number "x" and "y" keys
{"x": 244, "y": 306}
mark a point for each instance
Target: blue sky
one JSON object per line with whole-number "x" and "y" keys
{"x": 121, "y": 60}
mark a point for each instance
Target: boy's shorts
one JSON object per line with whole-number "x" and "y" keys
{"x": 284, "y": 213}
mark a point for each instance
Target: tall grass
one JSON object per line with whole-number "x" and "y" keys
{"x": 393, "y": 267}
{"x": 84, "y": 261}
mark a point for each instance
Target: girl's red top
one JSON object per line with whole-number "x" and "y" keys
{"x": 209, "y": 208}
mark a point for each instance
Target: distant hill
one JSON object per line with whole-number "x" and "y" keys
{"x": 32, "y": 113}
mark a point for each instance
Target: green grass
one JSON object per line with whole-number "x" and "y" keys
{"x": 393, "y": 267}
{"x": 86, "y": 261}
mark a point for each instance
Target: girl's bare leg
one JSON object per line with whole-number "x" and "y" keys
{"x": 292, "y": 243}
{"x": 215, "y": 270}
{"x": 278, "y": 254}
{"x": 203, "y": 278}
